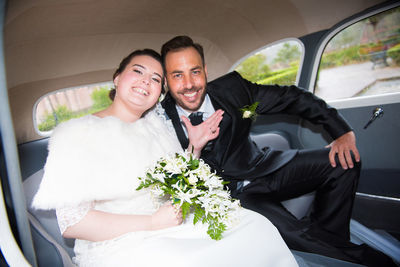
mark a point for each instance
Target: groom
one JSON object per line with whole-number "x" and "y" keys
{"x": 261, "y": 178}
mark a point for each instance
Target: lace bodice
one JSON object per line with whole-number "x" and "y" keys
{"x": 140, "y": 202}
{"x": 68, "y": 216}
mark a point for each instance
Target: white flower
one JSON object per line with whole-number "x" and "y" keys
{"x": 187, "y": 196}
{"x": 203, "y": 171}
{"x": 156, "y": 190}
{"x": 175, "y": 166}
{"x": 193, "y": 178}
{"x": 208, "y": 204}
{"x": 247, "y": 114}
{"x": 159, "y": 177}
{"x": 222, "y": 194}
{"x": 213, "y": 182}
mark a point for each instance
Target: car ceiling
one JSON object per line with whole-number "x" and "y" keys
{"x": 56, "y": 44}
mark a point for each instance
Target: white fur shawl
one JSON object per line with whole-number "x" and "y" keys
{"x": 93, "y": 158}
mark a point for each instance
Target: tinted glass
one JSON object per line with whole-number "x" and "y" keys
{"x": 363, "y": 59}
{"x": 69, "y": 103}
{"x": 274, "y": 64}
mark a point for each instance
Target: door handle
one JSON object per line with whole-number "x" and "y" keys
{"x": 376, "y": 113}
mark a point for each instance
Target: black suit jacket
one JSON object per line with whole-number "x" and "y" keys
{"x": 233, "y": 154}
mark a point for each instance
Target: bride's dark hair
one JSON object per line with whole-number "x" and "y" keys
{"x": 124, "y": 63}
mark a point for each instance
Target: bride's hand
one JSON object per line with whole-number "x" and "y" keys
{"x": 166, "y": 216}
{"x": 207, "y": 130}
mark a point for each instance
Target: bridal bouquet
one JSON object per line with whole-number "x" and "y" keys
{"x": 195, "y": 188}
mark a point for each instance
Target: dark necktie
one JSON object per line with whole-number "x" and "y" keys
{"x": 196, "y": 118}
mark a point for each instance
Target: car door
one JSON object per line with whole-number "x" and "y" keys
{"x": 357, "y": 70}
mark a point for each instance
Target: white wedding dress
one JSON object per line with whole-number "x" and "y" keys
{"x": 94, "y": 163}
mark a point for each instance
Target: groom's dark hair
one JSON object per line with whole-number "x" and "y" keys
{"x": 178, "y": 43}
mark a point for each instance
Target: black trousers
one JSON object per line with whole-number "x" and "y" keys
{"x": 326, "y": 230}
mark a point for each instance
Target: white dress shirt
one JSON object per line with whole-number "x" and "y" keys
{"x": 207, "y": 109}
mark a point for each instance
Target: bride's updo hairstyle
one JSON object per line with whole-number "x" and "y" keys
{"x": 124, "y": 63}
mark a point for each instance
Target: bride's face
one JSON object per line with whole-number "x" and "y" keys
{"x": 139, "y": 85}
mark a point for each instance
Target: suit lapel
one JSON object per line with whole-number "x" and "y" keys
{"x": 170, "y": 108}
{"x": 227, "y": 117}
{"x": 228, "y": 120}
{"x": 224, "y": 139}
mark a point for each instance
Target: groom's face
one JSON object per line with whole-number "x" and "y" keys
{"x": 186, "y": 78}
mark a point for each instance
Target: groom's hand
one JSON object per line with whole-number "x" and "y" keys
{"x": 200, "y": 134}
{"x": 343, "y": 146}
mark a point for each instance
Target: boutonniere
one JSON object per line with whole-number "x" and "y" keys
{"x": 249, "y": 112}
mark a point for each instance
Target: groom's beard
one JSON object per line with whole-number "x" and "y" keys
{"x": 191, "y": 106}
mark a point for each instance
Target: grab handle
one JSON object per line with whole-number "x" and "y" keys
{"x": 376, "y": 113}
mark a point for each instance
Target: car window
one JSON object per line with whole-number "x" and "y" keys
{"x": 277, "y": 63}
{"x": 362, "y": 59}
{"x": 65, "y": 104}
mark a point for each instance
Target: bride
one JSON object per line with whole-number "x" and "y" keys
{"x": 91, "y": 176}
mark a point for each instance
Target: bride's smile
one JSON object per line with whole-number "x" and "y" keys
{"x": 141, "y": 91}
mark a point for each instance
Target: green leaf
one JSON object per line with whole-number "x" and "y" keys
{"x": 169, "y": 191}
{"x": 185, "y": 179}
{"x": 193, "y": 164}
{"x": 146, "y": 183}
{"x": 140, "y": 186}
{"x": 176, "y": 201}
{"x": 253, "y": 106}
{"x": 199, "y": 213}
{"x": 185, "y": 209}
{"x": 215, "y": 230}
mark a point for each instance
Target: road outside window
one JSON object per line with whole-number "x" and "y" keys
{"x": 362, "y": 60}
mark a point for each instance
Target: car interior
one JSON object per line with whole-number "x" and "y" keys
{"x": 49, "y": 47}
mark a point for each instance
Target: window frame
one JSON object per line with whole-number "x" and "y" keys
{"x": 233, "y": 67}
{"x": 360, "y": 101}
{"x": 35, "y": 124}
